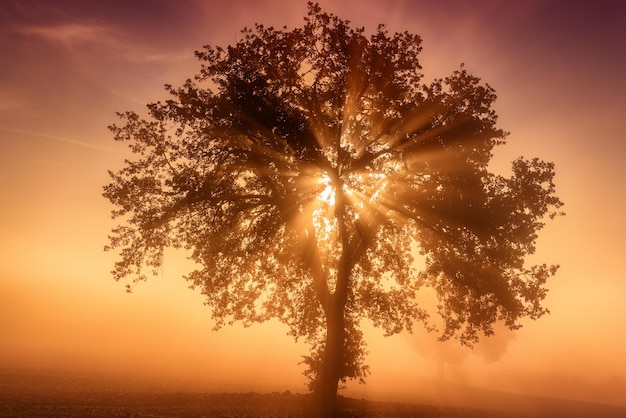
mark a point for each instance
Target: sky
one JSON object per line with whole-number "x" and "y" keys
{"x": 558, "y": 68}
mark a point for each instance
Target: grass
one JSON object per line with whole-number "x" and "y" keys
{"x": 125, "y": 404}
{"x": 37, "y": 394}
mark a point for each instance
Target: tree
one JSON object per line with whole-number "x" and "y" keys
{"x": 306, "y": 169}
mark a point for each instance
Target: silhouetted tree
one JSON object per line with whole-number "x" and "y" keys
{"x": 305, "y": 170}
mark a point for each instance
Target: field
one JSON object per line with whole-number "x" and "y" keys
{"x": 54, "y": 394}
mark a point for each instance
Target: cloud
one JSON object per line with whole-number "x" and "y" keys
{"x": 98, "y": 36}
{"x": 63, "y": 139}
{"x": 71, "y": 34}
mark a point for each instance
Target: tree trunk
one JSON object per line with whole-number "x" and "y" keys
{"x": 325, "y": 395}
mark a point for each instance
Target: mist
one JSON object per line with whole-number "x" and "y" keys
{"x": 558, "y": 73}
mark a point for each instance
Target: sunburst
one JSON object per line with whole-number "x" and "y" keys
{"x": 327, "y": 195}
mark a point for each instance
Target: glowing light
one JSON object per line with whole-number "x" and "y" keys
{"x": 328, "y": 193}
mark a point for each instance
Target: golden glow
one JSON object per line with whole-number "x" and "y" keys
{"x": 59, "y": 307}
{"x": 328, "y": 193}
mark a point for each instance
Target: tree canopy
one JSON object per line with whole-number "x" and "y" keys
{"x": 307, "y": 170}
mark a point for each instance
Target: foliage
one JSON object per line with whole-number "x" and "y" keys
{"x": 305, "y": 169}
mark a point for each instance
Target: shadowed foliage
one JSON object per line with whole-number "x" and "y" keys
{"x": 306, "y": 169}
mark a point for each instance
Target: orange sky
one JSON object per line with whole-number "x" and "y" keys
{"x": 67, "y": 65}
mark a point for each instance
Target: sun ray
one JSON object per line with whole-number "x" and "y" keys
{"x": 328, "y": 192}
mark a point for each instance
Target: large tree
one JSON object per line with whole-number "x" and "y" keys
{"x": 315, "y": 178}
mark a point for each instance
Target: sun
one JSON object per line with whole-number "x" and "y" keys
{"x": 328, "y": 192}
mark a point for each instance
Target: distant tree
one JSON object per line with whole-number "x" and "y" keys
{"x": 306, "y": 169}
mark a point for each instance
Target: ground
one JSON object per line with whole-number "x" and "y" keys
{"x": 53, "y": 394}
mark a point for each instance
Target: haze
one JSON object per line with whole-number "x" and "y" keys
{"x": 558, "y": 69}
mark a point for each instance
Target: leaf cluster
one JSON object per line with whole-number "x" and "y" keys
{"x": 233, "y": 166}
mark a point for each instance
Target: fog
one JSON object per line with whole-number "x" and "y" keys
{"x": 557, "y": 68}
